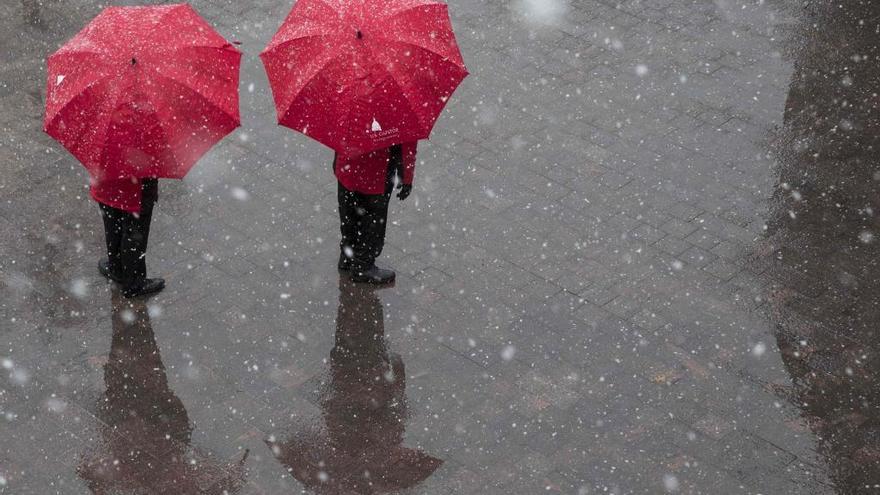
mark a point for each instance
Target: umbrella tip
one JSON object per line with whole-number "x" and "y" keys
{"x": 359, "y": 34}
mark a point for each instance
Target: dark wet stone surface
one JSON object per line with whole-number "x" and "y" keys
{"x": 640, "y": 257}
{"x": 824, "y": 297}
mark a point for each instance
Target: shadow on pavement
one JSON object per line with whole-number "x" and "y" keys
{"x": 360, "y": 447}
{"x": 823, "y": 248}
{"x": 145, "y": 444}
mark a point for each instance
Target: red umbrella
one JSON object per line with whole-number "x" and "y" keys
{"x": 143, "y": 92}
{"x": 359, "y": 76}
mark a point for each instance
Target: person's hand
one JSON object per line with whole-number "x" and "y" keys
{"x": 405, "y": 190}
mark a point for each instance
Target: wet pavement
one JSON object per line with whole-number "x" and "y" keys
{"x": 640, "y": 257}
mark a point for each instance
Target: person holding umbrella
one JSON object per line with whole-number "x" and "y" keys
{"x": 365, "y": 184}
{"x": 367, "y": 79}
{"x": 127, "y": 208}
{"x": 139, "y": 94}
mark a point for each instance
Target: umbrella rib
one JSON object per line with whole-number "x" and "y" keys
{"x": 312, "y": 77}
{"x": 393, "y": 79}
{"x": 150, "y": 95}
{"x": 401, "y": 87}
{"x": 291, "y": 40}
{"x": 171, "y": 150}
{"x": 106, "y": 129}
{"x": 348, "y": 113}
{"x": 414, "y": 7}
{"x": 103, "y": 132}
{"x": 194, "y": 90}
{"x": 172, "y": 78}
{"x": 54, "y": 116}
{"x": 310, "y": 80}
{"x": 69, "y": 53}
{"x": 100, "y": 79}
{"x": 406, "y": 99}
{"x": 443, "y": 58}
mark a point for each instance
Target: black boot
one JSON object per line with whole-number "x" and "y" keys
{"x": 107, "y": 271}
{"x": 144, "y": 287}
{"x": 372, "y": 275}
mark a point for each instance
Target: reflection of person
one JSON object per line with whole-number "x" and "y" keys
{"x": 823, "y": 231}
{"x": 364, "y": 191}
{"x": 127, "y": 208}
{"x": 145, "y": 428}
{"x": 360, "y": 450}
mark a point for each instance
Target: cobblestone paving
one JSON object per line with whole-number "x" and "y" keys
{"x": 639, "y": 258}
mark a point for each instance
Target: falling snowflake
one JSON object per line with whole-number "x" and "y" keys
{"x": 20, "y": 376}
{"x": 759, "y": 349}
{"x": 670, "y": 482}
{"x": 127, "y": 316}
{"x": 508, "y": 352}
{"x": 154, "y": 311}
{"x": 546, "y": 12}
{"x": 56, "y": 405}
{"x": 79, "y": 288}
{"x": 239, "y": 194}
{"x": 641, "y": 70}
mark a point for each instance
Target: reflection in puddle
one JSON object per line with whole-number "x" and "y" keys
{"x": 360, "y": 448}
{"x": 823, "y": 247}
{"x": 146, "y": 432}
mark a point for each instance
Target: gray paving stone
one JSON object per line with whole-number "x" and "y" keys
{"x": 584, "y": 256}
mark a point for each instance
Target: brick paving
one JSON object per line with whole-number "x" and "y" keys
{"x": 609, "y": 280}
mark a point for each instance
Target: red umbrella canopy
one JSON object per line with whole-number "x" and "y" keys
{"x": 363, "y": 75}
{"x": 143, "y": 92}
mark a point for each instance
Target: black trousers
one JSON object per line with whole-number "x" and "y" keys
{"x": 127, "y": 234}
{"x": 363, "y": 217}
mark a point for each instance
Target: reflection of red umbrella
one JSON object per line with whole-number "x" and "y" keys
{"x": 359, "y": 76}
{"x": 364, "y": 407}
{"x": 142, "y": 92}
{"x": 145, "y": 444}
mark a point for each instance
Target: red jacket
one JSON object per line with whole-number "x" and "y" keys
{"x": 367, "y": 173}
{"x": 123, "y": 194}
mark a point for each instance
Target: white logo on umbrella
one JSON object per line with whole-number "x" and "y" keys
{"x": 58, "y": 80}
{"x": 376, "y": 127}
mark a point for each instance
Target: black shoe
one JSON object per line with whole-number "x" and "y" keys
{"x": 372, "y": 275}
{"x": 344, "y": 263}
{"x": 144, "y": 287}
{"x": 106, "y": 271}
